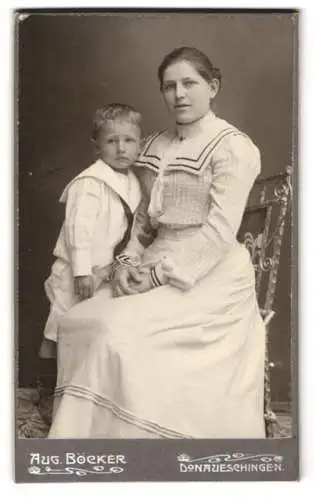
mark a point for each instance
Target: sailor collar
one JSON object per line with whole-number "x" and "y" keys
{"x": 192, "y": 152}
{"x": 104, "y": 173}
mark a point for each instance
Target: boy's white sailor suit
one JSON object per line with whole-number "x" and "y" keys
{"x": 95, "y": 222}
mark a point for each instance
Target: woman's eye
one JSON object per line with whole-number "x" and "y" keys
{"x": 168, "y": 86}
{"x": 130, "y": 139}
{"x": 189, "y": 84}
{"x": 110, "y": 141}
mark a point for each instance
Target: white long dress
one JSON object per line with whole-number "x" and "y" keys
{"x": 186, "y": 359}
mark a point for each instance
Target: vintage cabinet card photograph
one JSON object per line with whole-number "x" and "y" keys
{"x": 156, "y": 198}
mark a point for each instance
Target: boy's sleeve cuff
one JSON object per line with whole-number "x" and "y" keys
{"x": 81, "y": 262}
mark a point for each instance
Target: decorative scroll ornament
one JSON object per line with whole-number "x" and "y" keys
{"x": 283, "y": 189}
{"x": 254, "y": 246}
{"x": 232, "y": 457}
{"x": 78, "y": 471}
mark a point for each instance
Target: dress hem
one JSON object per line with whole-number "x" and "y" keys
{"x": 118, "y": 411}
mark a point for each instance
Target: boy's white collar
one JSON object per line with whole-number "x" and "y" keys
{"x": 103, "y": 172}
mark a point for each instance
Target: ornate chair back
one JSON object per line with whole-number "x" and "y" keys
{"x": 261, "y": 232}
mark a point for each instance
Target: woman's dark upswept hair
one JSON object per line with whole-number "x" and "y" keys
{"x": 196, "y": 58}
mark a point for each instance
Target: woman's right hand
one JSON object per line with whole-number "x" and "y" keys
{"x": 123, "y": 279}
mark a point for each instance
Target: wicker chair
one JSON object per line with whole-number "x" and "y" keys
{"x": 262, "y": 232}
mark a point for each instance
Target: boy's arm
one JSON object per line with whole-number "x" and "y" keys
{"x": 82, "y": 208}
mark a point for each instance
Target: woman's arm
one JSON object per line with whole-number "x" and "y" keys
{"x": 235, "y": 166}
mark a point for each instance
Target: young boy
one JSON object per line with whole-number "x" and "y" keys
{"x": 100, "y": 203}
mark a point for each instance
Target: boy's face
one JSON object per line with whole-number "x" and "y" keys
{"x": 119, "y": 144}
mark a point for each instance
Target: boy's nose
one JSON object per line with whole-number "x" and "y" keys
{"x": 121, "y": 146}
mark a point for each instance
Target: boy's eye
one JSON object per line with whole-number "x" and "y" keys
{"x": 130, "y": 139}
{"x": 110, "y": 141}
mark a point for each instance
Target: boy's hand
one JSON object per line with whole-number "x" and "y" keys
{"x": 83, "y": 287}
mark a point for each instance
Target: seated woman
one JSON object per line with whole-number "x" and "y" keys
{"x": 174, "y": 346}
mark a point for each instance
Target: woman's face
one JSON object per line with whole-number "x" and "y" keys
{"x": 187, "y": 94}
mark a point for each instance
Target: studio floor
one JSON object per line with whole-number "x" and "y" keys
{"x": 34, "y": 409}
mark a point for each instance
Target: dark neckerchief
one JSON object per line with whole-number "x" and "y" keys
{"x": 119, "y": 248}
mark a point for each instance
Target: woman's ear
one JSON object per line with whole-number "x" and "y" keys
{"x": 214, "y": 87}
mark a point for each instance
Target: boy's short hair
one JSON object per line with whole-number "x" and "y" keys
{"x": 115, "y": 111}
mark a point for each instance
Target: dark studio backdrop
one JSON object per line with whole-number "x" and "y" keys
{"x": 70, "y": 64}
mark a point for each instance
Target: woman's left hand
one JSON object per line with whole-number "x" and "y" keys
{"x": 144, "y": 285}
{"x": 141, "y": 284}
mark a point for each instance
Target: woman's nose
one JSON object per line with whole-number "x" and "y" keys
{"x": 180, "y": 91}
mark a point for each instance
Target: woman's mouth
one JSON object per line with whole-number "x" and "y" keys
{"x": 182, "y": 107}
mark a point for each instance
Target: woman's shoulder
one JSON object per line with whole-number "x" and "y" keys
{"x": 236, "y": 140}
{"x": 152, "y": 147}
{"x": 152, "y": 139}
{"x": 237, "y": 149}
